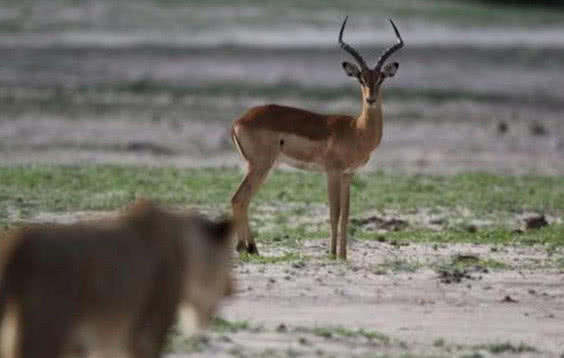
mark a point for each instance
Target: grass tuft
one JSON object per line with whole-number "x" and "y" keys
{"x": 269, "y": 260}
{"x": 507, "y": 347}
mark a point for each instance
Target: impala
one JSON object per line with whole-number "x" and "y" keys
{"x": 335, "y": 144}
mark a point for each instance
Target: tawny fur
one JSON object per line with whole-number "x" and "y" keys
{"x": 335, "y": 144}
{"x": 109, "y": 289}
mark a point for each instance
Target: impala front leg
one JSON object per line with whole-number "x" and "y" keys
{"x": 334, "y": 191}
{"x": 344, "y": 214}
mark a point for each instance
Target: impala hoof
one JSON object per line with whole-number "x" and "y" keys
{"x": 241, "y": 246}
{"x": 252, "y": 249}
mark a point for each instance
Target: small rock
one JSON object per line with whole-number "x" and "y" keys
{"x": 374, "y": 223}
{"x": 448, "y": 276}
{"x": 437, "y": 221}
{"x": 281, "y": 328}
{"x": 509, "y": 299}
{"x": 465, "y": 258}
{"x": 502, "y": 128}
{"x": 535, "y": 222}
{"x": 148, "y": 147}
{"x": 397, "y": 243}
{"x": 538, "y": 129}
{"x": 225, "y": 339}
{"x": 471, "y": 228}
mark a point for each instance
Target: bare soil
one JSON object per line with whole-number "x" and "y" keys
{"x": 475, "y": 101}
{"x": 301, "y": 306}
{"x": 451, "y": 107}
{"x": 427, "y": 147}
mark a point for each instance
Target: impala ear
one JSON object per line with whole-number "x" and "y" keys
{"x": 390, "y": 69}
{"x": 350, "y": 69}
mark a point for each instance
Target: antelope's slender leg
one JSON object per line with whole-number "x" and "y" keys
{"x": 344, "y": 214}
{"x": 309, "y": 140}
{"x": 240, "y": 202}
{"x": 334, "y": 189}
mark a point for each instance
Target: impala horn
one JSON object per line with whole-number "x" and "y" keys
{"x": 390, "y": 50}
{"x": 349, "y": 48}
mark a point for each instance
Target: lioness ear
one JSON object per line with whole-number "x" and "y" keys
{"x": 220, "y": 231}
{"x": 350, "y": 69}
{"x": 390, "y": 69}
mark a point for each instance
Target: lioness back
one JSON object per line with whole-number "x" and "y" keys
{"x": 111, "y": 288}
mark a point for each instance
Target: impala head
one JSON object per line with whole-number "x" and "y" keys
{"x": 370, "y": 79}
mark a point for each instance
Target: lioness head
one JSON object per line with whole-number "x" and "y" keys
{"x": 205, "y": 250}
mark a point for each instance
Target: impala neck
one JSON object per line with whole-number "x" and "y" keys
{"x": 371, "y": 116}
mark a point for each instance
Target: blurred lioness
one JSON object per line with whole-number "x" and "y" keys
{"x": 109, "y": 289}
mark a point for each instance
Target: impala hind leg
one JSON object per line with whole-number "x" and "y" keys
{"x": 334, "y": 192}
{"x": 240, "y": 202}
{"x": 344, "y": 201}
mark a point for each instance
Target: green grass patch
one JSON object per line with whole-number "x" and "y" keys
{"x": 27, "y": 191}
{"x": 177, "y": 342}
{"x": 439, "y": 342}
{"x": 339, "y": 331}
{"x": 552, "y": 234}
{"x": 262, "y": 259}
{"x": 220, "y": 325}
{"x": 81, "y": 101}
{"x": 30, "y": 189}
{"x": 460, "y": 263}
{"x": 396, "y": 264}
{"x": 507, "y": 347}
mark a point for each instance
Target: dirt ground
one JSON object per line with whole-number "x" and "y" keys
{"x": 414, "y": 307}
{"x": 173, "y": 104}
{"x": 388, "y": 299}
{"x": 97, "y": 86}
{"x": 427, "y": 147}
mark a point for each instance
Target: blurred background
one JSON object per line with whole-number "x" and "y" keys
{"x": 158, "y": 82}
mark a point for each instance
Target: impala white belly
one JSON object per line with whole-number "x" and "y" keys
{"x": 296, "y": 163}
{"x": 301, "y": 153}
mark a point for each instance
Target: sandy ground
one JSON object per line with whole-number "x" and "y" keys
{"x": 414, "y": 307}
{"x": 394, "y": 290}
{"x": 431, "y": 147}
{"x": 172, "y": 103}
{"x": 79, "y": 99}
